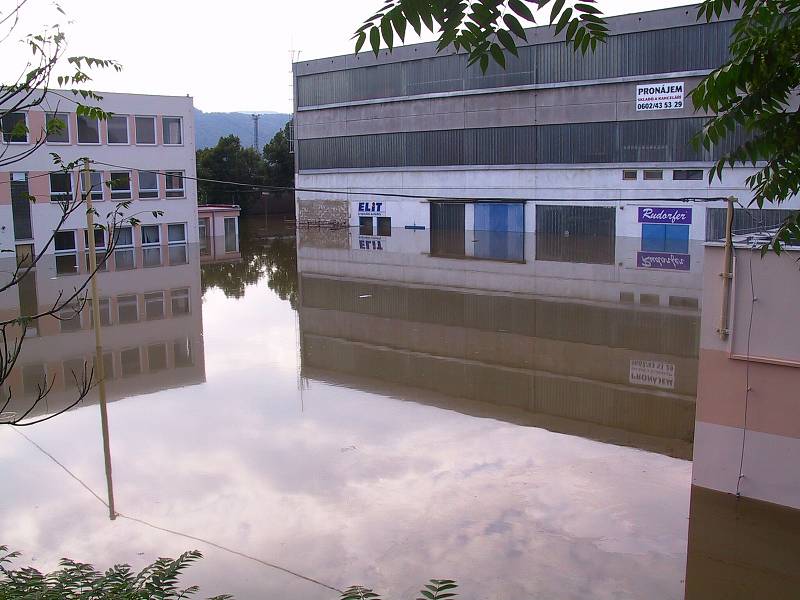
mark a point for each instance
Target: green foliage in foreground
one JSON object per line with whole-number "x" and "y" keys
{"x": 437, "y": 589}
{"x": 74, "y": 580}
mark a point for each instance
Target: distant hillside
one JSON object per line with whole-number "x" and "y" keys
{"x": 209, "y": 127}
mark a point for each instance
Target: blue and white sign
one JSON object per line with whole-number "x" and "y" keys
{"x": 666, "y": 261}
{"x": 371, "y": 209}
{"x": 660, "y": 96}
{"x": 665, "y": 215}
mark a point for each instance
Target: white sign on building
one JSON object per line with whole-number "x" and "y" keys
{"x": 652, "y": 372}
{"x": 660, "y": 96}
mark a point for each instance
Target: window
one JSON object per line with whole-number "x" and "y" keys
{"x": 684, "y": 302}
{"x": 178, "y": 254}
{"x": 687, "y": 175}
{"x": 154, "y": 306}
{"x": 172, "y": 130}
{"x": 15, "y": 128}
{"x": 182, "y": 350}
{"x": 25, "y": 255}
{"x": 60, "y": 187}
{"x": 180, "y": 301}
{"x": 385, "y": 226}
{"x": 157, "y": 357}
{"x": 70, "y": 318}
{"x": 65, "y": 250}
{"x": 649, "y": 299}
{"x": 64, "y": 241}
{"x": 105, "y": 313}
{"x": 148, "y": 185}
{"x": 108, "y": 366}
{"x": 99, "y": 238}
{"x": 76, "y": 373}
{"x": 364, "y": 225}
{"x": 34, "y": 380}
{"x": 123, "y": 236}
{"x": 626, "y": 297}
{"x": 665, "y": 238}
{"x": 630, "y": 174}
{"x": 118, "y": 129}
{"x": 130, "y": 362}
{"x": 151, "y": 257}
{"x": 652, "y": 174}
{"x": 57, "y": 128}
{"x": 151, "y": 235}
{"x": 124, "y": 256}
{"x": 93, "y": 183}
{"x": 175, "y": 184}
{"x": 145, "y": 130}
{"x": 120, "y": 185}
{"x": 204, "y": 231}
{"x": 127, "y": 309}
{"x": 88, "y": 130}
{"x": 176, "y": 233}
{"x": 231, "y": 237}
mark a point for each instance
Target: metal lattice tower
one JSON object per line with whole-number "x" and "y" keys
{"x": 255, "y": 118}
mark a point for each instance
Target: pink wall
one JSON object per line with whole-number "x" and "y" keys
{"x": 5, "y": 187}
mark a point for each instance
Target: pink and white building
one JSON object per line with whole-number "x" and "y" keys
{"x": 149, "y": 140}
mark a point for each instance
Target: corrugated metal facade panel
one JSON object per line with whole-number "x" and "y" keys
{"x": 703, "y": 46}
{"x": 744, "y": 221}
{"x": 657, "y": 140}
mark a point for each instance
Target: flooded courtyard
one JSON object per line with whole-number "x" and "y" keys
{"x": 323, "y": 408}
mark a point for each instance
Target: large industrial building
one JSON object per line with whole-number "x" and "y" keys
{"x": 557, "y": 143}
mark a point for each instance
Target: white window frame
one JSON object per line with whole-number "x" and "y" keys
{"x": 236, "y": 234}
{"x": 169, "y": 192}
{"x": 120, "y": 190}
{"x": 72, "y": 250}
{"x": 157, "y": 189}
{"x": 182, "y": 242}
{"x": 67, "y": 196}
{"x": 127, "y": 131}
{"x": 124, "y": 246}
{"x": 24, "y": 114}
{"x": 155, "y": 298}
{"x": 126, "y": 303}
{"x": 86, "y": 239}
{"x": 141, "y": 234}
{"x": 164, "y": 130}
{"x": 78, "y": 132}
{"x": 155, "y": 130}
{"x": 97, "y": 194}
{"x": 68, "y": 127}
{"x": 180, "y": 294}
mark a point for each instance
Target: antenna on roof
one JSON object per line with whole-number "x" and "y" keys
{"x": 255, "y": 118}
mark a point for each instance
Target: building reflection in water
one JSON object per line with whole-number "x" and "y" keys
{"x": 592, "y": 347}
{"x": 151, "y": 317}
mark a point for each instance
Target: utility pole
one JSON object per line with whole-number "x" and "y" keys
{"x": 255, "y": 118}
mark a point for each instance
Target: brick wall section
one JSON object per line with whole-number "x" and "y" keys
{"x": 324, "y": 211}
{"x": 325, "y": 238}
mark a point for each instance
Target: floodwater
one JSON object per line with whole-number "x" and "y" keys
{"x": 330, "y": 409}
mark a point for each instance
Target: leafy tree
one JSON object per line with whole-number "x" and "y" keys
{"x": 435, "y": 589}
{"x": 280, "y": 162}
{"x": 230, "y": 161}
{"x": 754, "y": 90}
{"x": 75, "y": 580}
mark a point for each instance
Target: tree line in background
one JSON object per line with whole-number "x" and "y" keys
{"x": 230, "y": 173}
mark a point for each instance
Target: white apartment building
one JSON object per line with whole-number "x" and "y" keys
{"x": 150, "y": 142}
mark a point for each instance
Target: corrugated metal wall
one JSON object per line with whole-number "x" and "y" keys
{"x": 656, "y": 140}
{"x": 694, "y": 47}
{"x": 744, "y": 221}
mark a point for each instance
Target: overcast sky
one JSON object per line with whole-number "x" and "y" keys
{"x": 230, "y": 56}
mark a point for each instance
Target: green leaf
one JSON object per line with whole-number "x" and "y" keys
{"x": 521, "y": 9}
{"x": 507, "y": 41}
{"x": 558, "y": 6}
{"x": 375, "y": 39}
{"x": 497, "y": 54}
{"x": 387, "y": 32}
{"x": 514, "y": 26}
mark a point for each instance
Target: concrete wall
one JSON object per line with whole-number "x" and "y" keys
{"x": 748, "y": 419}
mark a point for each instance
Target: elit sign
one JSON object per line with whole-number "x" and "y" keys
{"x": 659, "y": 96}
{"x": 371, "y": 209}
{"x": 665, "y": 215}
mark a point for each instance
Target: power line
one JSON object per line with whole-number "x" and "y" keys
{"x": 387, "y": 194}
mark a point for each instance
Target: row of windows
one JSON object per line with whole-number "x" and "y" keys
{"x": 119, "y": 184}
{"x": 120, "y": 130}
{"x": 655, "y": 140}
{"x": 678, "y": 49}
{"x": 658, "y": 174}
{"x": 128, "y": 309}
{"x": 35, "y": 377}
{"x": 124, "y": 255}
